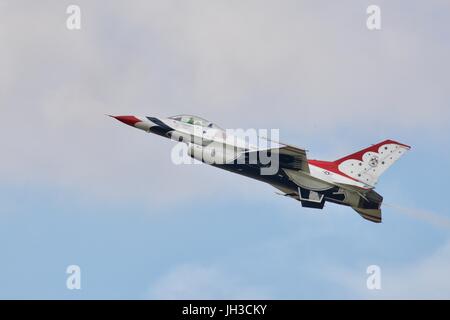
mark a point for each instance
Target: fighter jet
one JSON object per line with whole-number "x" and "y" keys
{"x": 348, "y": 181}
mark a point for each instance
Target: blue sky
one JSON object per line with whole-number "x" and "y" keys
{"x": 79, "y": 188}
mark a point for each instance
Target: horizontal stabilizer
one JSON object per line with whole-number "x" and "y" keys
{"x": 373, "y": 215}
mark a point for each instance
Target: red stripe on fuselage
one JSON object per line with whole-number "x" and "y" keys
{"x": 330, "y": 166}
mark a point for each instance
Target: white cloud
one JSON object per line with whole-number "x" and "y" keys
{"x": 425, "y": 278}
{"x": 203, "y": 282}
{"x": 289, "y": 65}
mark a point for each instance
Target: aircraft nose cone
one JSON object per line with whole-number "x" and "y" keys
{"x": 129, "y": 120}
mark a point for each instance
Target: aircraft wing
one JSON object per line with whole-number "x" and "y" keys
{"x": 290, "y": 157}
{"x": 293, "y": 158}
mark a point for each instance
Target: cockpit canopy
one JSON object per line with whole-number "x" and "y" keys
{"x": 194, "y": 120}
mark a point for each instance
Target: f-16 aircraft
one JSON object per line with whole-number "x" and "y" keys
{"x": 348, "y": 181}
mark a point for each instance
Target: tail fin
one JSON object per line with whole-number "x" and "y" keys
{"x": 369, "y": 164}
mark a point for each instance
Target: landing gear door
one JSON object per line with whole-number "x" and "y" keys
{"x": 311, "y": 199}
